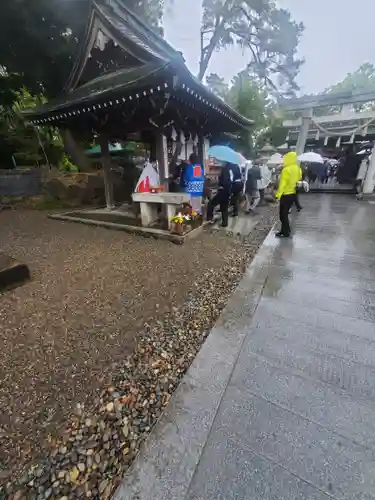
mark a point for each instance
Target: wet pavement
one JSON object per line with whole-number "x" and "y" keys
{"x": 280, "y": 402}
{"x": 239, "y": 226}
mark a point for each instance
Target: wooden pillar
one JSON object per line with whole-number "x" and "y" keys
{"x": 162, "y": 158}
{"x": 106, "y": 164}
{"x": 201, "y": 154}
{"x": 304, "y": 130}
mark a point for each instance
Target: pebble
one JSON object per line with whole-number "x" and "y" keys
{"x": 105, "y": 441}
{"x": 48, "y": 493}
{"x": 73, "y": 475}
{"x": 110, "y": 406}
{"x": 102, "y": 486}
{"x": 81, "y": 467}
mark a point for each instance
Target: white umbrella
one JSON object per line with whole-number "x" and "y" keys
{"x": 364, "y": 152}
{"x": 311, "y": 158}
{"x": 275, "y": 160}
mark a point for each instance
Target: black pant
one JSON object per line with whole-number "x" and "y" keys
{"x": 235, "y": 200}
{"x": 296, "y": 202}
{"x": 286, "y": 202}
{"x": 221, "y": 198}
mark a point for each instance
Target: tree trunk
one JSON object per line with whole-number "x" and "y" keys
{"x": 106, "y": 163}
{"x": 206, "y": 52}
{"x": 205, "y": 58}
{"x": 75, "y": 151}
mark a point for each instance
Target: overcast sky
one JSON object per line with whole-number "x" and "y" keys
{"x": 339, "y": 36}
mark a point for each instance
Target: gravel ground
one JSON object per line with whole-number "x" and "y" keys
{"x": 95, "y": 344}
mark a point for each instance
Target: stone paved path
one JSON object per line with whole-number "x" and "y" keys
{"x": 280, "y": 402}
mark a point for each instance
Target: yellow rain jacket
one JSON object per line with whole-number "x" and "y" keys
{"x": 291, "y": 174}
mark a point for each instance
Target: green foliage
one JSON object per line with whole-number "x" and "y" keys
{"x": 21, "y": 141}
{"x": 67, "y": 165}
{"x": 247, "y": 96}
{"x": 217, "y": 85}
{"x": 274, "y": 133}
{"x": 39, "y": 41}
{"x": 268, "y": 35}
{"x": 363, "y": 79}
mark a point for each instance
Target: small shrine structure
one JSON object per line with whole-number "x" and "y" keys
{"x": 128, "y": 83}
{"x": 266, "y": 152}
{"x": 335, "y": 125}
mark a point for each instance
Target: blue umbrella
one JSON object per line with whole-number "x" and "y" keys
{"x": 225, "y": 154}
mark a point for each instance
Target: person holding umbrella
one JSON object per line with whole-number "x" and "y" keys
{"x": 237, "y": 187}
{"x": 230, "y": 182}
{"x": 222, "y": 197}
{"x": 286, "y": 193}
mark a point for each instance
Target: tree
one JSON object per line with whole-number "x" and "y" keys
{"x": 23, "y": 144}
{"x": 266, "y": 33}
{"x": 250, "y": 100}
{"x": 361, "y": 79}
{"x": 217, "y": 85}
{"x": 39, "y": 40}
{"x": 273, "y": 133}
{"x": 247, "y": 96}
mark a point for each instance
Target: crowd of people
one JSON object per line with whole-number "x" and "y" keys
{"x": 321, "y": 173}
{"x": 247, "y": 184}
{"x": 256, "y": 179}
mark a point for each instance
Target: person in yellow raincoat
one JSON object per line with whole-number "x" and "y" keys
{"x": 291, "y": 174}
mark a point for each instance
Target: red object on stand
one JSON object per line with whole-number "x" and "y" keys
{"x": 144, "y": 186}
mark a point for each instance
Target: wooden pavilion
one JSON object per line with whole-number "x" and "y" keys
{"x": 128, "y": 82}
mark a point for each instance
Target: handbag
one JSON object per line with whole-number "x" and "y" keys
{"x": 303, "y": 186}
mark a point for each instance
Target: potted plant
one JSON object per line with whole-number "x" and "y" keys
{"x": 178, "y": 224}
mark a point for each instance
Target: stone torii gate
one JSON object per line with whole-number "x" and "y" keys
{"x": 311, "y": 124}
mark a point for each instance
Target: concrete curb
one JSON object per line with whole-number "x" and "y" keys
{"x": 166, "y": 463}
{"x": 138, "y": 230}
